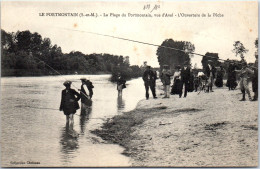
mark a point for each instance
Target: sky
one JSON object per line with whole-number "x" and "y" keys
{"x": 208, "y": 34}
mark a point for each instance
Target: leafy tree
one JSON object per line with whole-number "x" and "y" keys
{"x": 173, "y": 57}
{"x": 239, "y": 49}
{"x": 210, "y": 56}
{"x": 6, "y": 40}
{"x": 26, "y": 53}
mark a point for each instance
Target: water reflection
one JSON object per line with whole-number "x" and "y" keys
{"x": 39, "y": 97}
{"x": 120, "y": 103}
{"x": 84, "y": 118}
{"x": 69, "y": 142}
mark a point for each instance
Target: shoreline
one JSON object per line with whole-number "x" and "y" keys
{"x": 179, "y": 132}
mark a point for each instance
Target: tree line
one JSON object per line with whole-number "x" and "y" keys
{"x": 29, "y": 54}
{"x": 181, "y": 53}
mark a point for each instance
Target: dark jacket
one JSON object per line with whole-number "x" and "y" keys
{"x": 65, "y": 104}
{"x": 90, "y": 88}
{"x": 166, "y": 77}
{"x": 213, "y": 70}
{"x": 121, "y": 81}
{"x": 185, "y": 75}
{"x": 149, "y": 76}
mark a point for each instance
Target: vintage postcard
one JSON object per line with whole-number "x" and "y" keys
{"x": 129, "y": 83}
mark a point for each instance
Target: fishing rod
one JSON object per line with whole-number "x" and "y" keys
{"x": 145, "y": 43}
{"x": 135, "y": 41}
{"x": 61, "y": 76}
{"x": 57, "y": 109}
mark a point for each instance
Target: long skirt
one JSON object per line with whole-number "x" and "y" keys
{"x": 177, "y": 87}
{"x": 255, "y": 84}
{"x": 219, "y": 81}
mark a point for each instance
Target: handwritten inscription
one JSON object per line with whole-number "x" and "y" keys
{"x": 150, "y": 7}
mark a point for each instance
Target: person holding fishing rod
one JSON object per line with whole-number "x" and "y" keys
{"x": 86, "y": 101}
{"x": 69, "y": 102}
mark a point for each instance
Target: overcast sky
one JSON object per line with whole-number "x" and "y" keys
{"x": 209, "y": 34}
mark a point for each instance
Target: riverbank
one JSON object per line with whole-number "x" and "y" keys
{"x": 202, "y": 130}
{"x": 38, "y": 72}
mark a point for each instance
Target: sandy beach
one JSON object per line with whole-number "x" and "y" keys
{"x": 203, "y": 130}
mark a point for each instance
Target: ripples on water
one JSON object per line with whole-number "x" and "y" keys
{"x": 34, "y": 129}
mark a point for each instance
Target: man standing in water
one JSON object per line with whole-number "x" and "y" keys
{"x": 69, "y": 102}
{"x": 120, "y": 84}
{"x": 149, "y": 81}
{"x": 90, "y": 88}
{"x": 85, "y": 97}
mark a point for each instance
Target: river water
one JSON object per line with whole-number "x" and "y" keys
{"x": 34, "y": 131}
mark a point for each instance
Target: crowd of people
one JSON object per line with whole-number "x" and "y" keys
{"x": 183, "y": 81}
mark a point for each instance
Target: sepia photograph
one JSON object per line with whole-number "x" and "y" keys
{"x": 129, "y": 84}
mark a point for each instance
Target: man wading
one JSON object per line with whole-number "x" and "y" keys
{"x": 120, "y": 84}
{"x": 69, "y": 102}
{"x": 85, "y": 97}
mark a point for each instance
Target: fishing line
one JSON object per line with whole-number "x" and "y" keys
{"x": 135, "y": 41}
{"x": 61, "y": 75}
{"x": 145, "y": 43}
{"x": 57, "y": 109}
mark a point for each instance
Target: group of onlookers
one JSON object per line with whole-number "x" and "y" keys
{"x": 185, "y": 81}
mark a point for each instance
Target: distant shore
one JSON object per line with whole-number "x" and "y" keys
{"x": 26, "y": 73}
{"x": 202, "y": 130}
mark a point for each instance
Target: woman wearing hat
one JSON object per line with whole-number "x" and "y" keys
{"x": 69, "y": 102}
{"x": 177, "y": 83}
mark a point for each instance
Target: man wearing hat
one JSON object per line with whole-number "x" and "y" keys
{"x": 210, "y": 73}
{"x": 185, "y": 77}
{"x": 149, "y": 78}
{"x": 120, "y": 84}
{"x": 244, "y": 75}
{"x": 166, "y": 80}
{"x": 85, "y": 97}
{"x": 69, "y": 102}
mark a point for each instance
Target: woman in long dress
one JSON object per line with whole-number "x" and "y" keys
{"x": 220, "y": 75}
{"x": 177, "y": 83}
